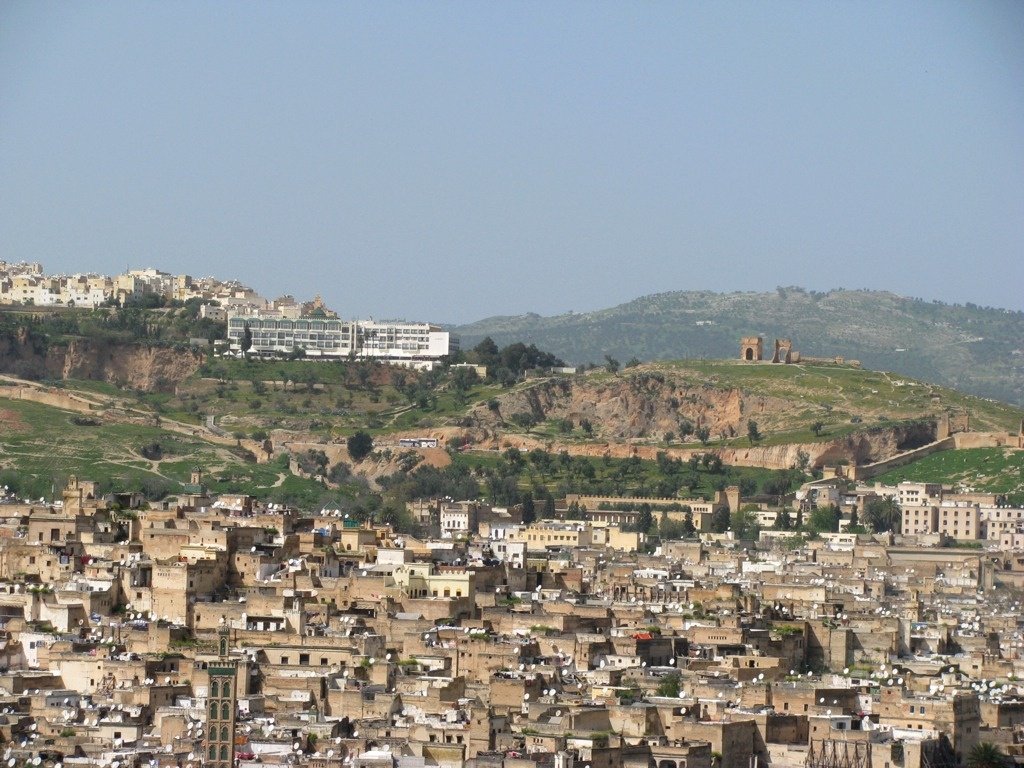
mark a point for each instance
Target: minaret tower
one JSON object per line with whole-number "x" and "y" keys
{"x": 222, "y": 701}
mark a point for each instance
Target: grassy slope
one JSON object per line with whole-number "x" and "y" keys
{"x": 324, "y": 399}
{"x": 44, "y": 443}
{"x": 836, "y": 393}
{"x": 844, "y": 399}
{"x": 985, "y": 469}
{"x": 41, "y": 445}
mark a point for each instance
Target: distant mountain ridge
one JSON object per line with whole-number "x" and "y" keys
{"x": 974, "y": 349}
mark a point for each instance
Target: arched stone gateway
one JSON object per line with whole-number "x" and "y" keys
{"x": 752, "y": 349}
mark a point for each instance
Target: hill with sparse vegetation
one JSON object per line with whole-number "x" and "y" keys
{"x": 145, "y": 406}
{"x": 966, "y": 347}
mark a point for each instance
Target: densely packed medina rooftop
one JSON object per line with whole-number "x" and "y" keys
{"x": 225, "y": 631}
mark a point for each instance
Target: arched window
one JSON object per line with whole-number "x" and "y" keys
{"x": 214, "y": 689}
{"x": 224, "y": 752}
{"x": 224, "y": 733}
{"x": 226, "y": 690}
{"x": 225, "y": 712}
{"x": 213, "y": 751}
{"x": 213, "y": 711}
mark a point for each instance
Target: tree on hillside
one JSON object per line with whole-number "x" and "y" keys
{"x": 529, "y": 513}
{"x": 611, "y": 364}
{"x": 824, "y": 519}
{"x": 359, "y": 446}
{"x": 752, "y": 431}
{"x": 541, "y": 460}
{"x": 644, "y": 518}
{"x": 669, "y": 685}
{"x": 712, "y": 462}
{"x": 486, "y": 351}
{"x": 783, "y": 522}
{"x": 985, "y": 754}
{"x": 744, "y": 523}
{"x": 549, "y": 505}
{"x": 704, "y": 435}
{"x": 817, "y": 428}
{"x": 507, "y": 364}
{"x": 803, "y": 460}
{"x": 720, "y": 520}
{"x": 514, "y": 457}
{"x": 883, "y": 514}
{"x": 688, "y": 527}
{"x": 576, "y": 511}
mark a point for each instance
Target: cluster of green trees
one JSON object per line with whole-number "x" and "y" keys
{"x": 879, "y": 515}
{"x": 666, "y": 477}
{"x": 506, "y": 365}
{"x": 133, "y": 322}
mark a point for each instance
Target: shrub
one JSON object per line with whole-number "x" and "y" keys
{"x": 360, "y": 445}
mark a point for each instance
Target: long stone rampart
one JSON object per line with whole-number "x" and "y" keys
{"x": 866, "y": 471}
{"x": 988, "y": 440}
{"x": 62, "y": 400}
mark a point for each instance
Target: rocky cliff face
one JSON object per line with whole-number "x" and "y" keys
{"x": 646, "y": 405}
{"x": 626, "y": 411}
{"x": 137, "y": 366}
{"x": 132, "y": 365}
{"x": 863, "y": 448}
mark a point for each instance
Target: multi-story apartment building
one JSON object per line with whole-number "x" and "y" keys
{"x": 997, "y": 521}
{"x": 909, "y": 493}
{"x": 398, "y": 340}
{"x": 959, "y": 520}
{"x": 271, "y": 336}
{"x": 318, "y": 335}
{"x": 919, "y": 519}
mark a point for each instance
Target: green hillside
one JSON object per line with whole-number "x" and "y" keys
{"x": 969, "y": 348}
{"x": 40, "y": 446}
{"x": 150, "y": 441}
{"x": 996, "y": 470}
{"x": 799, "y": 403}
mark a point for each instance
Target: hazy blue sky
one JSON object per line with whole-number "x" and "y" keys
{"x": 449, "y": 161}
